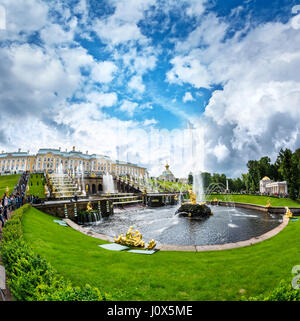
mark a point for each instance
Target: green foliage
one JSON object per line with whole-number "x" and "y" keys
{"x": 10, "y": 181}
{"x": 32, "y": 278}
{"x": 288, "y": 166}
{"x": 256, "y": 199}
{"x": 171, "y": 186}
{"x": 36, "y": 185}
{"x": 190, "y": 179}
{"x": 284, "y": 292}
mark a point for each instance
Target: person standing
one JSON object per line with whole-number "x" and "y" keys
{"x": 5, "y": 206}
{"x": 1, "y": 216}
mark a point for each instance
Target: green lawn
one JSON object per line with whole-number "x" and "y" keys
{"x": 254, "y": 199}
{"x": 164, "y": 275}
{"x": 36, "y": 185}
{"x": 176, "y": 187}
{"x": 8, "y": 180}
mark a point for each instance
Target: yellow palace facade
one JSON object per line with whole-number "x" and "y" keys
{"x": 52, "y": 159}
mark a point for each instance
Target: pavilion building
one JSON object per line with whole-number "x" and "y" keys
{"x": 267, "y": 186}
{"x": 167, "y": 175}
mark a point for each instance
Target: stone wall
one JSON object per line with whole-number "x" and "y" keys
{"x": 157, "y": 200}
{"x": 58, "y": 209}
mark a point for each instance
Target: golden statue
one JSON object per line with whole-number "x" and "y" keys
{"x": 151, "y": 245}
{"x": 269, "y": 203}
{"x": 7, "y": 189}
{"x": 89, "y": 207}
{"x": 87, "y": 188}
{"x": 288, "y": 213}
{"x": 192, "y": 197}
{"x": 167, "y": 166}
{"x": 45, "y": 189}
{"x": 132, "y": 238}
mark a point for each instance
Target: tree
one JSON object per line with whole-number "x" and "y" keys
{"x": 254, "y": 174}
{"x": 246, "y": 181}
{"x": 236, "y": 185}
{"x": 190, "y": 178}
{"x": 206, "y": 178}
{"x": 264, "y": 165}
{"x": 288, "y": 168}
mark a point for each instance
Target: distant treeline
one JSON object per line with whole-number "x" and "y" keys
{"x": 285, "y": 168}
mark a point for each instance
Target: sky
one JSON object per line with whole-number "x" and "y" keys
{"x": 133, "y": 79}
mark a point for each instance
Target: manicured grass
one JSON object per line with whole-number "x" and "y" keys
{"x": 8, "y": 180}
{"x": 36, "y": 185}
{"x": 256, "y": 269}
{"x": 256, "y": 199}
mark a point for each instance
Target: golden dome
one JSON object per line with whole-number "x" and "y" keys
{"x": 266, "y": 178}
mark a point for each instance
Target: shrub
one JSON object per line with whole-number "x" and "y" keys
{"x": 284, "y": 292}
{"x": 32, "y": 278}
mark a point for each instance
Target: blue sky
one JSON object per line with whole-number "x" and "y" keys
{"x": 129, "y": 75}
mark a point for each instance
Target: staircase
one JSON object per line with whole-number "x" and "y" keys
{"x": 63, "y": 185}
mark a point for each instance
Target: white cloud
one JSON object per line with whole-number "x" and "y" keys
{"x": 136, "y": 83}
{"x": 102, "y": 99}
{"x": 53, "y": 34}
{"x": 138, "y": 62}
{"x": 148, "y": 122}
{"x": 188, "y": 97}
{"x": 211, "y": 30}
{"x": 128, "y": 107}
{"x": 257, "y": 112}
{"x": 189, "y": 70}
{"x": 104, "y": 71}
{"x": 221, "y": 152}
{"x": 39, "y": 73}
{"x": 27, "y": 17}
{"x": 195, "y": 8}
{"x": 121, "y": 26}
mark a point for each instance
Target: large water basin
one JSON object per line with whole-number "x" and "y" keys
{"x": 226, "y": 225}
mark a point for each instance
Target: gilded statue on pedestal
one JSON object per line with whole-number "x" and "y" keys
{"x": 89, "y": 207}
{"x": 134, "y": 238}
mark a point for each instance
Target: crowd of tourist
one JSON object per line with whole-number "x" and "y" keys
{"x": 9, "y": 203}
{"x": 15, "y": 200}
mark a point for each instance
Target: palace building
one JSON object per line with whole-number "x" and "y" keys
{"x": 52, "y": 159}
